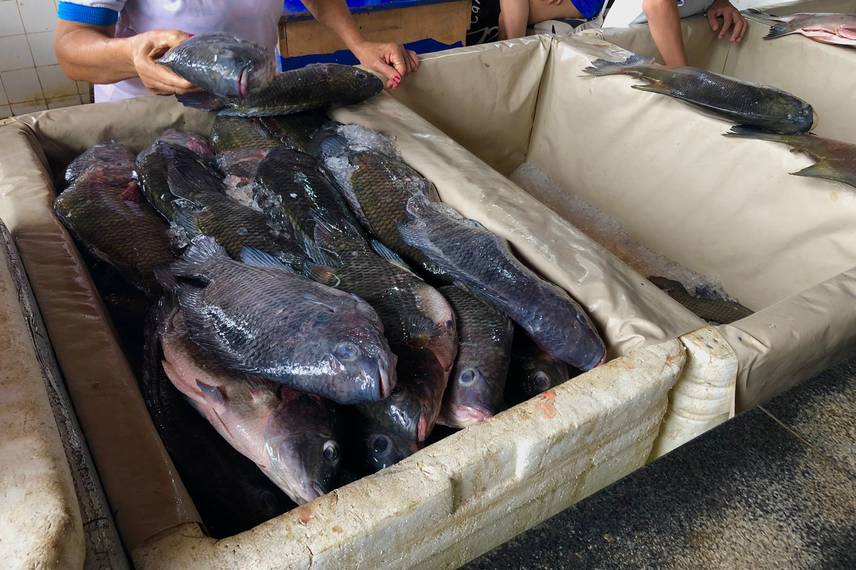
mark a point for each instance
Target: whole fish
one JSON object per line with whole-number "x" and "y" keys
{"x": 233, "y": 133}
{"x": 477, "y": 385}
{"x": 222, "y": 64}
{"x": 412, "y": 409}
{"x": 105, "y": 212}
{"x": 189, "y": 194}
{"x": 293, "y": 190}
{"x": 288, "y": 434}
{"x": 732, "y": 99}
{"x": 711, "y": 308}
{"x": 532, "y": 371}
{"x": 196, "y": 143}
{"x": 315, "y": 86}
{"x": 484, "y": 264}
{"x": 834, "y": 160}
{"x": 827, "y": 28}
{"x": 266, "y": 321}
{"x": 109, "y": 155}
{"x": 298, "y": 130}
{"x": 230, "y": 492}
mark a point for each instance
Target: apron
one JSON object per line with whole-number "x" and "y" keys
{"x": 252, "y": 20}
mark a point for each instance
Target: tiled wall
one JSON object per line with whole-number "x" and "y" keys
{"x": 30, "y": 79}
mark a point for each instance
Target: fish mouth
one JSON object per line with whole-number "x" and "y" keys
{"x": 422, "y": 430}
{"x": 465, "y": 416}
{"x": 317, "y": 490}
{"x": 243, "y": 82}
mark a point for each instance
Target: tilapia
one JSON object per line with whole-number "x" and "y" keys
{"x": 484, "y": 264}
{"x": 315, "y": 86}
{"x": 379, "y": 448}
{"x": 477, "y": 385}
{"x": 194, "y": 142}
{"x": 233, "y": 133}
{"x": 298, "y": 130}
{"x": 412, "y": 410}
{"x": 112, "y": 155}
{"x": 104, "y": 211}
{"x": 229, "y": 490}
{"x": 711, "y": 308}
{"x": 288, "y": 434}
{"x": 827, "y": 28}
{"x": 269, "y": 322}
{"x": 222, "y": 64}
{"x": 743, "y": 102}
{"x": 532, "y": 371}
{"x": 834, "y": 160}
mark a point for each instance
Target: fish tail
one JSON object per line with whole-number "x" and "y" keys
{"x": 778, "y": 30}
{"x": 761, "y": 16}
{"x": 201, "y": 100}
{"x": 747, "y": 132}
{"x": 601, "y": 67}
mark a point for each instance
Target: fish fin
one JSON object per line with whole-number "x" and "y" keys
{"x": 202, "y": 249}
{"x": 655, "y": 87}
{"x": 601, "y": 67}
{"x": 201, "y": 100}
{"x": 823, "y": 169}
{"x": 847, "y": 32}
{"x": 389, "y": 255}
{"x": 329, "y": 229}
{"x": 187, "y": 171}
{"x": 750, "y": 132}
{"x": 779, "y": 30}
{"x": 212, "y": 393}
{"x": 257, "y": 258}
{"x": 322, "y": 274}
{"x": 328, "y": 143}
{"x": 185, "y": 218}
{"x": 760, "y": 16}
{"x": 164, "y": 276}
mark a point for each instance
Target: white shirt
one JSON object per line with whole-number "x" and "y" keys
{"x": 626, "y": 12}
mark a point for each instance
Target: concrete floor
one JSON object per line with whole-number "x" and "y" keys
{"x": 774, "y": 488}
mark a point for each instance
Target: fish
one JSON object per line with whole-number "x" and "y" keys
{"x": 739, "y": 101}
{"x": 290, "y": 435}
{"x": 267, "y": 321}
{"x": 222, "y": 64}
{"x": 834, "y": 160}
{"x": 712, "y": 308}
{"x": 411, "y": 411}
{"x": 380, "y": 448}
{"x": 298, "y": 130}
{"x": 477, "y": 384}
{"x": 293, "y": 190}
{"x": 105, "y": 212}
{"x": 238, "y": 133}
{"x": 827, "y": 28}
{"x": 315, "y": 86}
{"x": 532, "y": 371}
{"x": 192, "y": 196}
{"x": 109, "y": 154}
{"x": 483, "y": 263}
{"x": 196, "y": 143}
{"x": 230, "y": 492}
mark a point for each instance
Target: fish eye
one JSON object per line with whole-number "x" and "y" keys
{"x": 541, "y": 380}
{"x": 467, "y": 377}
{"x": 379, "y": 444}
{"x": 330, "y": 451}
{"x": 323, "y": 317}
{"x": 346, "y": 351}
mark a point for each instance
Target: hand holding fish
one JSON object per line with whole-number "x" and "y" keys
{"x": 391, "y": 60}
{"x": 146, "y": 48}
{"x": 731, "y": 19}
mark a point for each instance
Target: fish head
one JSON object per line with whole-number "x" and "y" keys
{"x": 475, "y": 390}
{"x": 303, "y": 452}
{"x": 191, "y": 141}
{"x": 382, "y": 449}
{"x": 434, "y": 327}
{"x": 236, "y": 67}
{"x": 563, "y": 329}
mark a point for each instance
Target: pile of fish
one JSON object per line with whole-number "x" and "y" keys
{"x": 826, "y": 28}
{"x": 312, "y": 299}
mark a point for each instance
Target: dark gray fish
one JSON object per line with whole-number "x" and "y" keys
{"x": 834, "y": 160}
{"x": 315, "y": 86}
{"x": 711, "y": 308}
{"x": 289, "y": 435}
{"x": 827, "y": 28}
{"x": 196, "y": 143}
{"x": 477, "y": 385}
{"x": 732, "y": 99}
{"x": 109, "y": 155}
{"x": 269, "y": 322}
{"x": 298, "y": 130}
{"x": 238, "y": 133}
{"x": 532, "y": 371}
{"x": 485, "y": 265}
{"x": 222, "y": 64}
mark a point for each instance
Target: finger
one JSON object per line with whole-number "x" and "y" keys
{"x": 165, "y": 76}
{"x": 739, "y": 29}
{"x": 726, "y": 24}
{"x": 389, "y": 73}
{"x": 414, "y": 59}
{"x": 396, "y": 58}
{"x": 713, "y": 20}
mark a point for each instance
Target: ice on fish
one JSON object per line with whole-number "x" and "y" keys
{"x": 363, "y": 138}
{"x": 241, "y": 193}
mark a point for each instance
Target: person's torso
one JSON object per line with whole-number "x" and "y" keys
{"x": 252, "y": 20}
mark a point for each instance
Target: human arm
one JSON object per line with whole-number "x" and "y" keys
{"x": 664, "y": 21}
{"x": 389, "y": 59}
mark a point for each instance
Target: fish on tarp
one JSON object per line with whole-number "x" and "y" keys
{"x": 233, "y": 133}
{"x": 823, "y": 27}
{"x": 732, "y": 99}
{"x": 298, "y": 130}
{"x": 532, "y": 371}
{"x": 712, "y": 308}
{"x": 288, "y": 434}
{"x": 194, "y": 142}
{"x": 477, "y": 384}
{"x": 412, "y": 409}
{"x": 834, "y": 160}
{"x": 104, "y": 210}
{"x": 315, "y": 86}
{"x": 222, "y": 64}
{"x": 266, "y": 321}
{"x": 110, "y": 155}
{"x": 484, "y": 264}
{"x": 230, "y": 492}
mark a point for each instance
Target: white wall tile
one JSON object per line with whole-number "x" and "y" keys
{"x": 55, "y": 83}
{"x": 10, "y": 21}
{"x": 21, "y": 85}
{"x": 37, "y": 15}
{"x": 41, "y": 46}
{"x": 64, "y": 102}
{"x": 5, "y": 111}
{"x": 15, "y": 53}
{"x": 30, "y": 107}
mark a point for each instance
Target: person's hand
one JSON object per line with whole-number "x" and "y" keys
{"x": 731, "y": 18}
{"x": 145, "y": 49}
{"x": 389, "y": 59}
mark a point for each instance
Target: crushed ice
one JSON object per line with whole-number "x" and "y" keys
{"x": 361, "y": 137}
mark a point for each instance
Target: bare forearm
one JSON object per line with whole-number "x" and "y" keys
{"x": 335, "y": 15}
{"x": 87, "y": 54}
{"x": 665, "y": 25}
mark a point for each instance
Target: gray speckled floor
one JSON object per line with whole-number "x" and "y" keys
{"x": 774, "y": 488}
